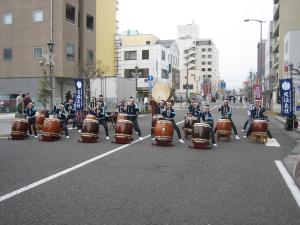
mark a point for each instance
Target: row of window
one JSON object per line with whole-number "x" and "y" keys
{"x": 204, "y": 69}
{"x": 38, "y": 16}
{"x": 38, "y": 53}
{"x": 208, "y": 56}
{"x": 132, "y": 55}
{"x": 208, "y": 63}
{"x": 143, "y": 73}
{"x": 204, "y": 49}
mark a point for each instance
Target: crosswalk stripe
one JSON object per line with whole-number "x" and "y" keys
{"x": 272, "y": 143}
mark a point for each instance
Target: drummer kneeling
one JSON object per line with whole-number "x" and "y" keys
{"x": 169, "y": 114}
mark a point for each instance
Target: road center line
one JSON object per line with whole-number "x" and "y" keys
{"x": 289, "y": 182}
{"x": 56, "y": 175}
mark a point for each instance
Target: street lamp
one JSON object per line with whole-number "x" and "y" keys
{"x": 51, "y": 47}
{"x": 261, "y": 49}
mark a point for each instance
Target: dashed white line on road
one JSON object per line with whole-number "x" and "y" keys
{"x": 272, "y": 143}
{"x": 289, "y": 182}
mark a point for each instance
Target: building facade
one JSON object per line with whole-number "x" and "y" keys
{"x": 147, "y": 55}
{"x": 286, "y": 17}
{"x": 25, "y": 31}
{"x": 199, "y": 63}
{"x": 108, "y": 40}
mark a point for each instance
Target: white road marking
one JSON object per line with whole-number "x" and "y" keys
{"x": 289, "y": 182}
{"x": 54, "y": 176}
{"x": 272, "y": 143}
{"x": 4, "y": 137}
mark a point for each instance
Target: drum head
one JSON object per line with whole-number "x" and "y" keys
{"x": 124, "y": 121}
{"x": 52, "y": 119}
{"x": 160, "y": 92}
{"x": 21, "y": 120}
{"x": 164, "y": 122}
{"x": 201, "y": 125}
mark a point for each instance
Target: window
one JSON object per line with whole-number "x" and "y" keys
{"x": 130, "y": 73}
{"x": 71, "y": 52}
{"x": 130, "y": 55}
{"x": 7, "y": 18}
{"x": 7, "y": 53}
{"x": 209, "y": 49}
{"x": 37, "y": 53}
{"x": 147, "y": 42}
{"x": 209, "y": 63}
{"x": 38, "y": 16}
{"x": 70, "y": 13}
{"x": 209, "y": 76}
{"x": 203, "y": 56}
{"x": 163, "y": 55}
{"x": 203, "y": 50}
{"x": 90, "y": 56}
{"x": 203, "y": 69}
{"x": 209, "y": 56}
{"x": 203, "y": 76}
{"x": 90, "y": 22}
{"x": 145, "y": 54}
{"x": 164, "y": 74}
{"x": 203, "y": 63}
{"x": 208, "y": 69}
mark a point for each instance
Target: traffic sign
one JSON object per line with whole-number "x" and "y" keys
{"x": 150, "y": 78}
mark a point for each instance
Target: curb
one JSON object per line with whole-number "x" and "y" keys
{"x": 282, "y": 120}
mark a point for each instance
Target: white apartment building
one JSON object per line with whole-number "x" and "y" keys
{"x": 199, "y": 62}
{"x": 150, "y": 56}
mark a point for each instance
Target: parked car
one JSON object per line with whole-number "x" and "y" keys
{"x": 8, "y": 102}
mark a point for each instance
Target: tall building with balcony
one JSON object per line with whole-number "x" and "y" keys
{"x": 199, "y": 63}
{"x": 25, "y": 31}
{"x": 108, "y": 40}
{"x": 286, "y": 17}
{"x": 148, "y": 55}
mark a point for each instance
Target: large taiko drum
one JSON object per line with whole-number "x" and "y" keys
{"x": 260, "y": 126}
{"x": 39, "y": 121}
{"x": 224, "y": 126}
{"x": 155, "y": 118}
{"x": 122, "y": 116}
{"x": 123, "y": 131}
{"x": 189, "y": 124}
{"x": 163, "y": 132}
{"x": 90, "y": 130}
{"x": 51, "y": 129}
{"x": 201, "y": 135}
{"x": 19, "y": 129}
{"x": 91, "y": 117}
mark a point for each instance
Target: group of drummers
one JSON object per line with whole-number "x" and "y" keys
{"x": 163, "y": 110}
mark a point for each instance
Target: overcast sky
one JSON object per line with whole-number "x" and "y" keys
{"x": 221, "y": 20}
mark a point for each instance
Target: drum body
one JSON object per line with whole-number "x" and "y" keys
{"x": 189, "y": 124}
{"x": 224, "y": 126}
{"x": 155, "y": 119}
{"x": 91, "y": 117}
{"x": 163, "y": 132}
{"x": 260, "y": 126}
{"x": 39, "y": 121}
{"x": 90, "y": 130}
{"x": 122, "y": 116}
{"x": 123, "y": 131}
{"x": 51, "y": 129}
{"x": 19, "y": 129}
{"x": 201, "y": 136}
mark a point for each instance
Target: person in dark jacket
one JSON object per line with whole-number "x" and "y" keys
{"x": 169, "y": 114}
{"x": 208, "y": 118}
{"x": 30, "y": 112}
{"x": 257, "y": 113}
{"x": 226, "y": 113}
{"x": 70, "y": 109}
{"x": 195, "y": 110}
{"x": 160, "y": 107}
{"x": 62, "y": 116}
{"x": 121, "y": 107}
{"x": 132, "y": 111}
{"x": 101, "y": 114}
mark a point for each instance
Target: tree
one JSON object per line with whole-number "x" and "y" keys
{"x": 89, "y": 71}
{"x": 43, "y": 93}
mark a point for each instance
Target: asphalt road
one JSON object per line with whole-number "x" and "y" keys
{"x": 235, "y": 183}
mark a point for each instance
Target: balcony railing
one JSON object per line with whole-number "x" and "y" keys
{"x": 276, "y": 28}
{"x": 275, "y": 45}
{"x": 276, "y": 11}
